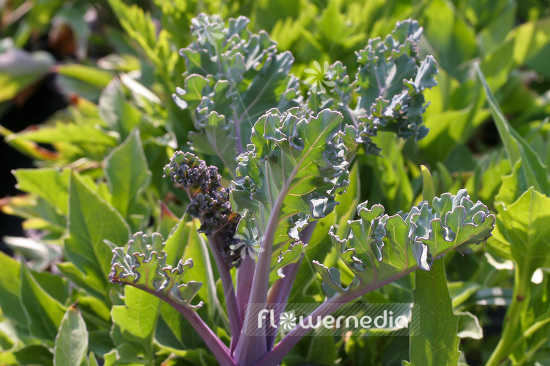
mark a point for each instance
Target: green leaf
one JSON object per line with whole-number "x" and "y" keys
{"x": 92, "y": 361}
{"x": 90, "y": 75}
{"x": 468, "y": 326}
{"x": 217, "y": 137}
{"x": 434, "y": 340}
{"x": 81, "y": 134}
{"x": 50, "y": 184}
{"x": 19, "y": 69}
{"x": 391, "y": 80}
{"x": 30, "y": 355}
{"x": 533, "y": 171}
{"x": 167, "y": 220}
{"x": 91, "y": 221}
{"x": 296, "y": 163}
{"x": 428, "y": 191}
{"x": 10, "y": 286}
{"x": 381, "y": 247}
{"x": 71, "y": 343}
{"x": 448, "y": 37}
{"x": 196, "y": 248}
{"x": 391, "y": 176}
{"x": 235, "y": 77}
{"x": 116, "y": 111}
{"x": 524, "y": 225}
{"x": 44, "y": 313}
{"x": 143, "y": 265}
{"x": 462, "y": 291}
{"x": 138, "y": 316}
{"x": 128, "y": 174}
{"x": 27, "y": 147}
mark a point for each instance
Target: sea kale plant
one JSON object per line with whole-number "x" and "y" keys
{"x": 286, "y": 148}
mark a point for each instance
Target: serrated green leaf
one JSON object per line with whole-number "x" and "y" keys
{"x": 138, "y": 316}
{"x": 381, "y": 247}
{"x": 217, "y": 137}
{"x": 71, "y": 343}
{"x": 391, "y": 80}
{"x": 91, "y": 221}
{"x": 434, "y": 340}
{"x": 235, "y": 77}
{"x": 524, "y": 225}
{"x": 143, "y": 265}
{"x": 128, "y": 175}
{"x": 297, "y": 162}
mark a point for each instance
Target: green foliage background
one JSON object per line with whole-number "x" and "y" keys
{"x": 105, "y": 153}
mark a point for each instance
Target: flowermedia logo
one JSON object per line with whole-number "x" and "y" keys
{"x": 359, "y": 319}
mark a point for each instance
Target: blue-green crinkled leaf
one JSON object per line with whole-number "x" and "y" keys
{"x": 391, "y": 80}
{"x": 298, "y": 160}
{"x": 143, "y": 265}
{"x": 380, "y": 247}
{"x": 234, "y": 77}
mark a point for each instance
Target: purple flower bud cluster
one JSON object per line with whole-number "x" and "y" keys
{"x": 209, "y": 202}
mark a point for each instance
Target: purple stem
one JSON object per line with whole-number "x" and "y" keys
{"x": 280, "y": 292}
{"x": 276, "y": 355}
{"x": 245, "y": 275}
{"x": 235, "y": 322}
{"x": 251, "y": 348}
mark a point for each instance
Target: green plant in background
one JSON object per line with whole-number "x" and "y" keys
{"x": 108, "y": 156}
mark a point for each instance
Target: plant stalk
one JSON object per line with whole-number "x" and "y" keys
{"x": 280, "y": 292}
{"x": 512, "y": 327}
{"x": 252, "y": 348}
{"x": 245, "y": 276}
{"x": 235, "y": 322}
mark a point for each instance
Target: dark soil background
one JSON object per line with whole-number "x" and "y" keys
{"x": 43, "y": 103}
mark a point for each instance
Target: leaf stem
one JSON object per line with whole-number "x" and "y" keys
{"x": 529, "y": 332}
{"x": 245, "y": 275}
{"x": 216, "y": 346}
{"x": 513, "y": 320}
{"x": 252, "y": 348}
{"x": 280, "y": 350}
{"x": 279, "y": 294}
{"x": 528, "y": 355}
{"x": 211, "y": 289}
{"x": 280, "y": 291}
{"x": 235, "y": 322}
